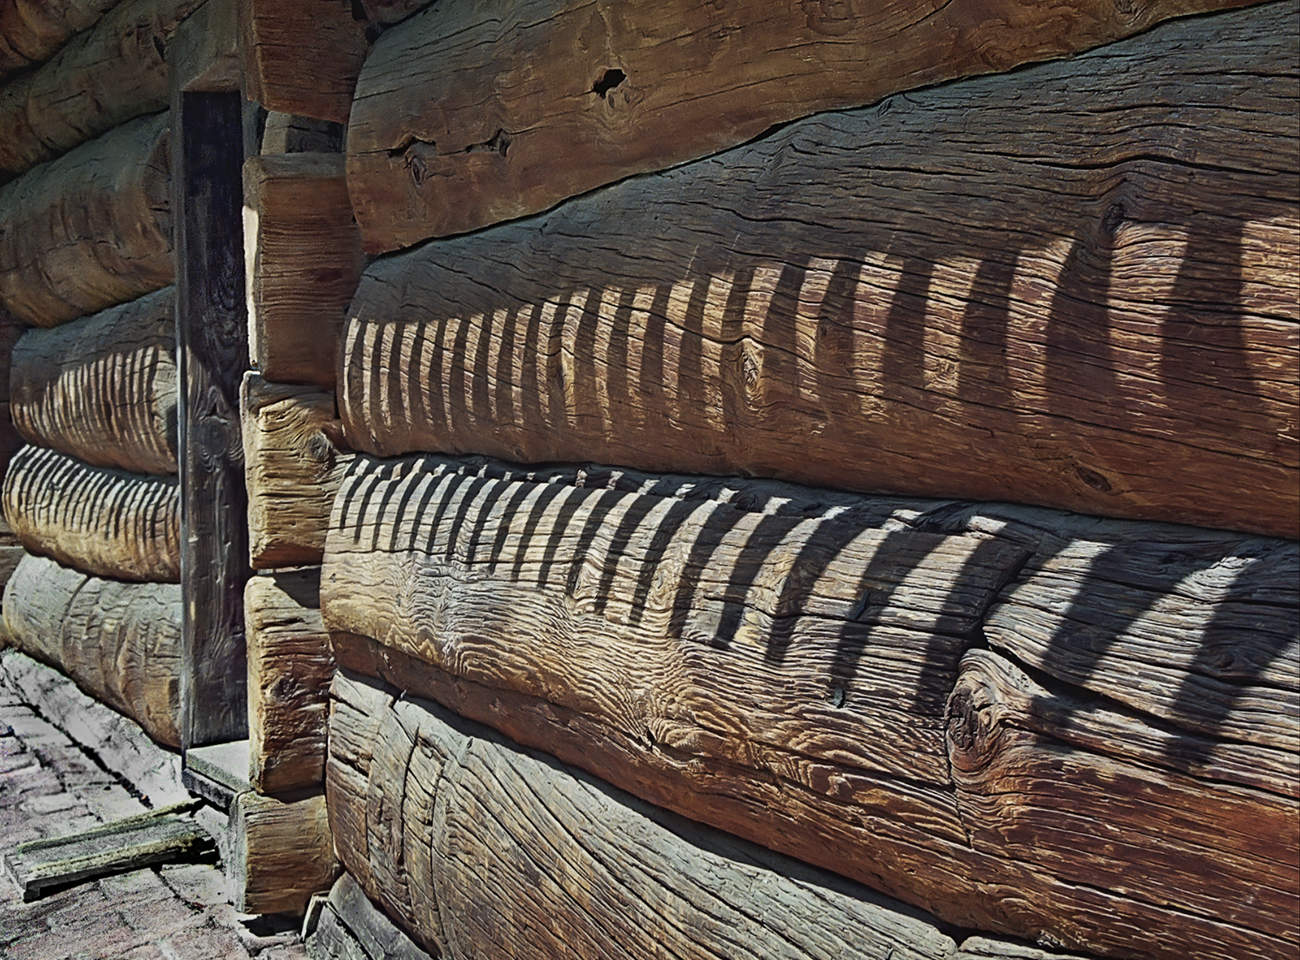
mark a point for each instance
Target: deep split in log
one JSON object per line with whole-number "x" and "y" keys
{"x": 102, "y": 388}
{"x": 281, "y": 852}
{"x": 998, "y": 289}
{"x": 99, "y": 520}
{"x": 798, "y": 668}
{"x": 120, "y": 642}
{"x": 32, "y": 32}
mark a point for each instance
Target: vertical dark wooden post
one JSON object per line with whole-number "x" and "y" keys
{"x": 212, "y": 354}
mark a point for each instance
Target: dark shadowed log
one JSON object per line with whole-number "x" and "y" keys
{"x": 287, "y": 133}
{"x": 777, "y": 662}
{"x": 302, "y": 261}
{"x": 1032, "y": 287}
{"x": 119, "y": 641}
{"x": 100, "y": 79}
{"x": 468, "y": 114}
{"x": 32, "y": 31}
{"x": 90, "y": 229}
{"x": 281, "y": 852}
{"x": 97, "y": 519}
{"x": 289, "y": 670}
{"x": 103, "y": 388}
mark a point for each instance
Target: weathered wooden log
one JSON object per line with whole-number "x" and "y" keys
{"x": 100, "y": 79}
{"x": 289, "y": 670}
{"x": 388, "y": 12}
{"x": 97, "y": 519}
{"x": 31, "y": 32}
{"x": 303, "y": 260}
{"x": 103, "y": 388}
{"x": 292, "y": 471}
{"x": 287, "y": 133}
{"x": 300, "y": 57}
{"x": 467, "y": 115}
{"x": 1033, "y": 312}
{"x": 786, "y": 664}
{"x": 120, "y": 642}
{"x": 281, "y": 852}
{"x": 90, "y": 229}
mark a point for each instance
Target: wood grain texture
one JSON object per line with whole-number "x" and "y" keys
{"x": 281, "y": 852}
{"x": 292, "y": 470}
{"x": 31, "y": 32}
{"x": 462, "y": 111}
{"x": 120, "y": 642}
{"x": 102, "y": 388}
{"x": 1047, "y": 286}
{"x": 302, "y": 262}
{"x": 289, "y": 671}
{"x": 90, "y": 229}
{"x": 301, "y": 57}
{"x": 101, "y": 78}
{"x": 287, "y": 133}
{"x": 97, "y": 519}
{"x": 787, "y": 665}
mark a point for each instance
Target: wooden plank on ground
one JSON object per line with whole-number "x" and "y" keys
{"x": 281, "y": 852}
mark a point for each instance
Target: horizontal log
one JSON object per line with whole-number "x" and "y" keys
{"x": 788, "y": 665}
{"x": 289, "y": 670}
{"x": 90, "y": 229}
{"x": 292, "y": 471}
{"x": 463, "y": 111}
{"x": 98, "y": 520}
{"x": 32, "y": 32}
{"x": 287, "y": 133}
{"x": 102, "y": 388}
{"x": 280, "y": 852}
{"x": 101, "y": 78}
{"x": 120, "y": 642}
{"x": 303, "y": 255}
{"x": 1043, "y": 309}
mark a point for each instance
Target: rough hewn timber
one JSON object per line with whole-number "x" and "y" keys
{"x": 303, "y": 260}
{"x": 90, "y": 229}
{"x": 102, "y": 388}
{"x": 119, "y": 641}
{"x": 289, "y": 670}
{"x": 468, "y": 114}
{"x": 97, "y": 519}
{"x": 30, "y": 32}
{"x": 301, "y": 57}
{"x": 287, "y": 133}
{"x": 778, "y": 663}
{"x": 281, "y": 852}
{"x": 1032, "y": 287}
{"x": 292, "y": 471}
{"x": 98, "y": 80}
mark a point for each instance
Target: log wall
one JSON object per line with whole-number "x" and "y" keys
{"x": 31, "y": 32}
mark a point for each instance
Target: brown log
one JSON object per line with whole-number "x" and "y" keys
{"x": 1044, "y": 309}
{"x": 292, "y": 471}
{"x": 289, "y": 670}
{"x": 778, "y": 663}
{"x": 300, "y": 57}
{"x": 303, "y": 260}
{"x": 103, "y": 388}
{"x": 31, "y": 32}
{"x": 98, "y": 520}
{"x": 119, "y": 641}
{"x": 281, "y": 852}
{"x": 90, "y": 229}
{"x": 466, "y": 115}
{"x": 98, "y": 80}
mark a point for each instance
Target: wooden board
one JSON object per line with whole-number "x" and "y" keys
{"x": 289, "y": 670}
{"x": 99, "y": 520}
{"x": 782, "y": 664}
{"x": 467, "y": 115}
{"x": 101, "y": 78}
{"x": 119, "y": 641}
{"x": 1048, "y": 307}
{"x": 292, "y": 470}
{"x": 90, "y": 229}
{"x": 301, "y": 57}
{"x": 281, "y": 853}
{"x": 102, "y": 388}
{"x": 31, "y": 32}
{"x": 303, "y": 260}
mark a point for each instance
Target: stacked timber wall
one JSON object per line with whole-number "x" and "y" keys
{"x": 86, "y": 269}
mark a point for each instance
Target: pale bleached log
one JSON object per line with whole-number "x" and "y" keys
{"x": 289, "y": 670}
{"x": 103, "y": 388}
{"x": 90, "y": 229}
{"x": 281, "y": 852}
{"x": 997, "y": 289}
{"x": 32, "y": 30}
{"x": 287, "y": 133}
{"x": 99, "y": 520}
{"x": 778, "y": 663}
{"x": 101, "y": 78}
{"x": 119, "y": 641}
